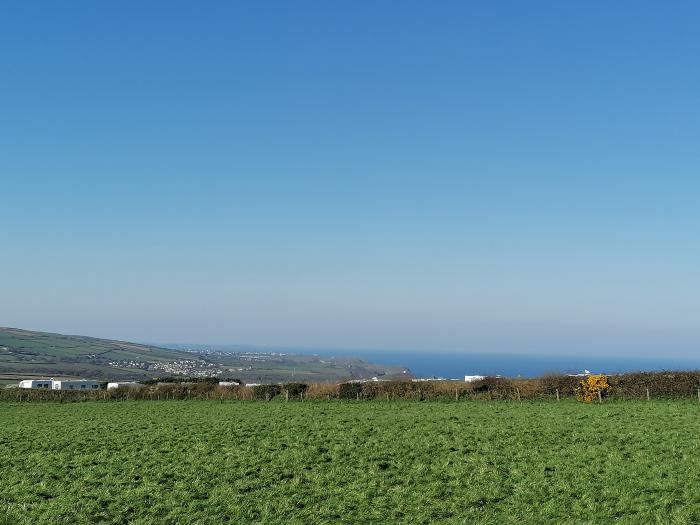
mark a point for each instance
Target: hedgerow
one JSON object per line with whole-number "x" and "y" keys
{"x": 681, "y": 384}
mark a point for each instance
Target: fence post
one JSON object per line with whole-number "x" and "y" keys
{"x": 600, "y": 397}
{"x": 286, "y": 396}
{"x": 517, "y": 391}
{"x": 648, "y": 397}
{"x": 557, "y": 394}
{"x": 698, "y": 395}
{"x": 358, "y": 396}
{"x": 456, "y": 395}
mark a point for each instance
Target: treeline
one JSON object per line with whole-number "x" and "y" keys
{"x": 625, "y": 386}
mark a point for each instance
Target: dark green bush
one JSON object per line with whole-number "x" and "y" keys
{"x": 349, "y": 390}
{"x": 387, "y": 390}
{"x": 550, "y": 383}
{"x": 495, "y": 388}
{"x": 295, "y": 390}
{"x": 266, "y": 392}
{"x": 660, "y": 384}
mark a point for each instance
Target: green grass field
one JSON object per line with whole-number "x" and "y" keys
{"x": 349, "y": 462}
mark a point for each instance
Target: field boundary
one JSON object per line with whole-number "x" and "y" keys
{"x": 642, "y": 386}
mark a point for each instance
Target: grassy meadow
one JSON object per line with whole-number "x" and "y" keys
{"x": 205, "y": 462}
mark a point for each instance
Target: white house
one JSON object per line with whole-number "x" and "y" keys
{"x": 582, "y": 374}
{"x": 229, "y": 383}
{"x": 77, "y": 384}
{"x": 123, "y": 384}
{"x": 36, "y": 383}
{"x": 469, "y": 379}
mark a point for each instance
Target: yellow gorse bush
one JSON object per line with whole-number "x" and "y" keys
{"x": 589, "y": 388}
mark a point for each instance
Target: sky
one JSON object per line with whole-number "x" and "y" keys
{"x": 452, "y": 176}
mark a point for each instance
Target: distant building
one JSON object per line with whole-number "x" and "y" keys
{"x": 229, "y": 383}
{"x": 469, "y": 379}
{"x": 77, "y": 384}
{"x": 123, "y": 384}
{"x": 46, "y": 384}
{"x": 582, "y": 374}
{"x": 361, "y": 381}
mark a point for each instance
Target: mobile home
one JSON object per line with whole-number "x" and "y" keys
{"x": 78, "y": 384}
{"x": 46, "y": 384}
{"x": 123, "y": 384}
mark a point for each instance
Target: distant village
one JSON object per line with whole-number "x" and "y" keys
{"x": 184, "y": 367}
{"x": 198, "y": 368}
{"x": 243, "y": 356}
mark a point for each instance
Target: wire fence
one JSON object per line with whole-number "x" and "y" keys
{"x": 643, "y": 385}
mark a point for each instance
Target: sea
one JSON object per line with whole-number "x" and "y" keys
{"x": 452, "y": 365}
{"x": 456, "y": 365}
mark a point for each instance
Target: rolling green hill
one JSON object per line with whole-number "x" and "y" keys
{"x": 26, "y": 354}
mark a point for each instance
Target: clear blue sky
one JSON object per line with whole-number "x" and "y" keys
{"x": 505, "y": 176}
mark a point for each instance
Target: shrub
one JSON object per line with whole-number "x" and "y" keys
{"x": 232, "y": 380}
{"x": 659, "y": 384}
{"x": 394, "y": 390}
{"x": 266, "y": 392}
{"x": 349, "y": 390}
{"x": 592, "y": 387}
{"x": 550, "y": 383}
{"x": 495, "y": 387}
{"x": 447, "y": 389}
{"x": 322, "y": 391}
{"x": 296, "y": 389}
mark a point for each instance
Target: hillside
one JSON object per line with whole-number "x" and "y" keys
{"x": 28, "y": 353}
{"x": 25, "y": 353}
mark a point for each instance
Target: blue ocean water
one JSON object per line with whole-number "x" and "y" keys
{"x": 457, "y": 365}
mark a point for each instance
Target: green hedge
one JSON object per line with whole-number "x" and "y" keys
{"x": 682, "y": 384}
{"x": 349, "y": 390}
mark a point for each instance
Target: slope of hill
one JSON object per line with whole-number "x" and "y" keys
{"x": 29, "y": 353}
{"x": 25, "y": 354}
